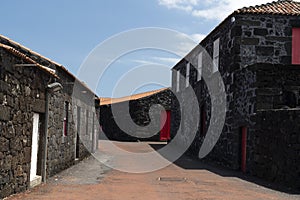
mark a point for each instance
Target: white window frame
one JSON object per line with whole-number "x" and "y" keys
{"x": 199, "y": 67}
{"x": 177, "y": 81}
{"x": 216, "y": 54}
{"x": 187, "y": 74}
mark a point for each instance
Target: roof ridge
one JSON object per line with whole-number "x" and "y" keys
{"x": 28, "y": 59}
{"x": 108, "y": 100}
{"x": 16, "y": 47}
{"x": 34, "y": 53}
{"x": 283, "y": 7}
{"x": 29, "y": 50}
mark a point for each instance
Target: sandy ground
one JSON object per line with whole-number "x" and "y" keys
{"x": 187, "y": 179}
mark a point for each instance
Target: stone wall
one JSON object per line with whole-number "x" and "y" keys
{"x": 240, "y": 106}
{"x": 87, "y": 125}
{"x": 228, "y": 35}
{"x": 139, "y": 113}
{"x": 278, "y": 86}
{"x": 22, "y": 93}
{"x": 275, "y": 151}
{"x": 265, "y": 38}
{"x": 273, "y": 143}
{"x": 244, "y": 41}
{"x": 19, "y": 88}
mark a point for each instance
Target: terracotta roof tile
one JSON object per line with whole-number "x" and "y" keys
{"x": 108, "y": 101}
{"x": 281, "y": 7}
{"x": 13, "y": 44}
{"x": 30, "y": 56}
{"x": 26, "y": 58}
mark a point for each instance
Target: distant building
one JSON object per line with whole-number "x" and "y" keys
{"x": 47, "y": 119}
{"x": 139, "y": 110}
{"x": 256, "y": 50}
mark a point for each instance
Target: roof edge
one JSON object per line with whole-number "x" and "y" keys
{"x": 13, "y": 43}
{"x": 109, "y": 101}
{"x": 28, "y": 59}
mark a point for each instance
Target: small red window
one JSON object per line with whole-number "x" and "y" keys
{"x": 296, "y": 46}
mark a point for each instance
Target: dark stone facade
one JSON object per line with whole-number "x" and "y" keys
{"x": 273, "y": 131}
{"x": 274, "y": 147}
{"x": 139, "y": 111}
{"x": 252, "y": 90}
{"x": 23, "y": 93}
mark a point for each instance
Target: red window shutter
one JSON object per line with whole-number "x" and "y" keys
{"x": 296, "y": 46}
{"x": 165, "y": 125}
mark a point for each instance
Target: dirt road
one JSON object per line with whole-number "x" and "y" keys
{"x": 187, "y": 179}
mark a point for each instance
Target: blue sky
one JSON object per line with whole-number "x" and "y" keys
{"x": 67, "y": 30}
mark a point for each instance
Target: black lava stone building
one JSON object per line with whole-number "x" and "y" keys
{"x": 139, "y": 111}
{"x": 47, "y": 118}
{"x": 256, "y": 52}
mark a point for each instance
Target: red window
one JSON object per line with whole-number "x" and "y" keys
{"x": 296, "y": 46}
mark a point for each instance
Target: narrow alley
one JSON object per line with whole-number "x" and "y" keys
{"x": 186, "y": 179}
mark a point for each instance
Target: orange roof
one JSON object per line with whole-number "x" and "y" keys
{"x": 108, "y": 101}
{"x": 281, "y": 7}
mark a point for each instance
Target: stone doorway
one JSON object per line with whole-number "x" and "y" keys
{"x": 35, "y": 178}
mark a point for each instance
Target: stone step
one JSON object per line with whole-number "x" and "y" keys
{"x": 36, "y": 181}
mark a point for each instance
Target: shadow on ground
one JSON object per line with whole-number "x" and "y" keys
{"x": 194, "y": 163}
{"x": 87, "y": 172}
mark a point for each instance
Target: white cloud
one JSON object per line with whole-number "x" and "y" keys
{"x": 167, "y": 60}
{"x": 157, "y": 61}
{"x": 221, "y": 9}
{"x": 210, "y": 9}
{"x": 186, "y": 5}
{"x": 143, "y": 62}
{"x": 185, "y": 43}
{"x": 197, "y": 37}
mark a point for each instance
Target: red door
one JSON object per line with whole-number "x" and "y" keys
{"x": 165, "y": 125}
{"x": 296, "y": 46}
{"x": 244, "y": 149}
